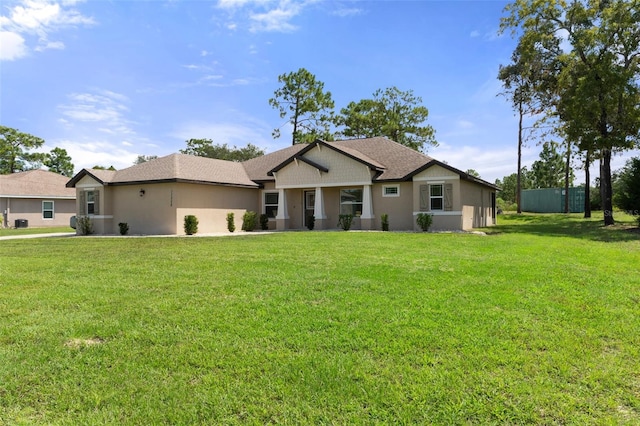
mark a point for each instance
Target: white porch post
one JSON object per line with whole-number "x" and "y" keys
{"x": 318, "y": 209}
{"x": 282, "y": 218}
{"x": 367, "y": 217}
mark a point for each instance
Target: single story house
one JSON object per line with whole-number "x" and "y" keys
{"x": 363, "y": 177}
{"x": 36, "y": 198}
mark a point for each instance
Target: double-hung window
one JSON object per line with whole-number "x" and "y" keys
{"x": 351, "y": 201}
{"x": 271, "y": 204}
{"x": 91, "y": 202}
{"x": 47, "y": 209}
{"x": 436, "y": 197}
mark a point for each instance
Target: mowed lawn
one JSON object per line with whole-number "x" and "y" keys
{"x": 538, "y": 322}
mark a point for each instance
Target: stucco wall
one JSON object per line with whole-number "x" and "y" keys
{"x": 211, "y": 203}
{"x": 477, "y": 208}
{"x": 398, "y": 208}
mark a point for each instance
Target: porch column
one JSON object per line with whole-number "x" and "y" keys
{"x": 318, "y": 209}
{"x": 282, "y": 218}
{"x": 367, "y": 218}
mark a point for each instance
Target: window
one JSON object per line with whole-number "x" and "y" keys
{"x": 436, "y": 197}
{"x": 91, "y": 202}
{"x": 271, "y": 204}
{"x": 391, "y": 191}
{"x": 351, "y": 201}
{"x": 47, "y": 209}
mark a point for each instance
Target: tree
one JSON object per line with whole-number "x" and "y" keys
{"x": 98, "y": 167}
{"x": 392, "y": 113}
{"x": 508, "y": 185}
{"x": 14, "y": 146}
{"x": 144, "y": 158}
{"x": 473, "y": 172}
{"x": 627, "y": 184}
{"x": 596, "y": 45}
{"x": 58, "y": 161}
{"x": 305, "y": 104}
{"x": 549, "y": 170}
{"x": 519, "y": 80}
{"x": 206, "y": 148}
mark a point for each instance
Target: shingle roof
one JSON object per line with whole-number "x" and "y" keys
{"x": 173, "y": 168}
{"x": 398, "y": 161}
{"x": 257, "y": 168}
{"x": 185, "y": 167}
{"x": 36, "y": 184}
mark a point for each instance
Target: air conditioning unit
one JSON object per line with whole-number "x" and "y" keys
{"x": 22, "y": 223}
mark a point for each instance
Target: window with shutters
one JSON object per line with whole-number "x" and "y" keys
{"x": 436, "y": 197}
{"x": 91, "y": 202}
{"x": 47, "y": 209}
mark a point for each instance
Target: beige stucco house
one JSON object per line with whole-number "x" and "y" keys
{"x": 363, "y": 177}
{"x": 36, "y": 198}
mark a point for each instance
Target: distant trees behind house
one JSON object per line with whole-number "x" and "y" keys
{"x": 308, "y": 108}
{"x": 16, "y": 154}
{"x": 206, "y": 148}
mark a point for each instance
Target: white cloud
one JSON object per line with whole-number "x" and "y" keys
{"x": 37, "y": 20}
{"x": 265, "y": 15}
{"x": 12, "y": 46}
{"x": 344, "y": 12}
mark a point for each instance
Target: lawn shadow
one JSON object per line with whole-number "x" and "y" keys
{"x": 567, "y": 225}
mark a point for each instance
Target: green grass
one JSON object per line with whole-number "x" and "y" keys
{"x": 5, "y": 232}
{"x": 538, "y": 322}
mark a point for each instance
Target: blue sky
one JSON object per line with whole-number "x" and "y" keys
{"x": 111, "y": 80}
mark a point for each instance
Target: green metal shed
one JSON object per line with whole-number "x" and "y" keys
{"x": 551, "y": 200}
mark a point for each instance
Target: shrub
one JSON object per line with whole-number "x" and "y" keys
{"x": 190, "y": 224}
{"x": 311, "y": 222}
{"x": 344, "y": 221}
{"x": 385, "y": 221}
{"x": 249, "y": 221}
{"x": 85, "y": 225}
{"x": 264, "y": 222}
{"x": 638, "y": 221}
{"x": 424, "y": 221}
{"x": 231, "y": 225}
{"x": 124, "y": 228}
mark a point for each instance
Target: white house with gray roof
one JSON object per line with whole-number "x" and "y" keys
{"x": 362, "y": 177}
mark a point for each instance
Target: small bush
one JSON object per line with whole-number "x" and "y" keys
{"x": 124, "y": 228}
{"x": 344, "y": 221}
{"x": 85, "y": 225}
{"x": 190, "y": 224}
{"x": 385, "y": 221}
{"x": 638, "y": 221}
{"x": 249, "y": 221}
{"x": 231, "y": 225}
{"x": 424, "y": 221}
{"x": 264, "y": 222}
{"x": 311, "y": 222}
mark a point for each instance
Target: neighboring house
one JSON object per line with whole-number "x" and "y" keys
{"x": 38, "y": 197}
{"x": 363, "y": 177}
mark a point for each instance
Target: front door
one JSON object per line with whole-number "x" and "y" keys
{"x": 309, "y": 204}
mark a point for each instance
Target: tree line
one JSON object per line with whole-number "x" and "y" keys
{"x": 576, "y": 71}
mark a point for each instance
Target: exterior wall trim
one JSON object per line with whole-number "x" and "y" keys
{"x": 435, "y": 178}
{"x": 332, "y": 185}
{"x": 440, "y": 213}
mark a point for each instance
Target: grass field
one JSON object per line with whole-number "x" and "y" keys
{"x": 538, "y": 323}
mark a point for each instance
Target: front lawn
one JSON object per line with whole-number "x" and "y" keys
{"x": 5, "y": 232}
{"x": 538, "y": 322}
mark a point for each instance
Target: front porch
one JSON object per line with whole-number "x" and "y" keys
{"x": 295, "y": 207}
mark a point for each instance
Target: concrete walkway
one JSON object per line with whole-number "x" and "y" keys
{"x": 52, "y": 234}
